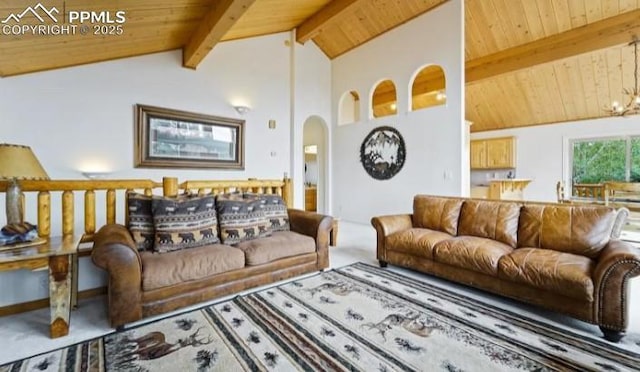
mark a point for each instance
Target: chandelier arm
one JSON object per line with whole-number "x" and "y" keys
{"x": 632, "y": 107}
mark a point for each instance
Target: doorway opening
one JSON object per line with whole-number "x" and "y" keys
{"x": 315, "y": 164}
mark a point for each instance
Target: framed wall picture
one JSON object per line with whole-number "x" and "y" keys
{"x": 166, "y": 138}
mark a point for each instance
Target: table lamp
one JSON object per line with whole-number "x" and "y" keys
{"x": 17, "y": 162}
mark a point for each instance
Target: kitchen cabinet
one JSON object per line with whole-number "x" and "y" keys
{"x": 478, "y": 150}
{"x": 493, "y": 153}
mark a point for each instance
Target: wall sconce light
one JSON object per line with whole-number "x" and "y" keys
{"x": 272, "y": 124}
{"x": 242, "y": 109}
{"x": 95, "y": 175}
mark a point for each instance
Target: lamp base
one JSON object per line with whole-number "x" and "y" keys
{"x": 14, "y": 202}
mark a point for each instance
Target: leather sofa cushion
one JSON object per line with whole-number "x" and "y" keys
{"x": 166, "y": 269}
{"x": 472, "y": 253}
{"x": 490, "y": 219}
{"x": 562, "y": 273}
{"x": 279, "y": 245}
{"x": 435, "y": 213}
{"x": 583, "y": 230}
{"x": 416, "y": 241}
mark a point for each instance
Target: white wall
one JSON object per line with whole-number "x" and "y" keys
{"x": 542, "y": 151}
{"x": 311, "y": 98}
{"x": 82, "y": 117}
{"x": 434, "y": 137}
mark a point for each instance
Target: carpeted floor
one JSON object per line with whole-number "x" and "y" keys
{"x": 357, "y": 317}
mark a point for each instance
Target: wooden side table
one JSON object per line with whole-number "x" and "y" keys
{"x": 57, "y": 253}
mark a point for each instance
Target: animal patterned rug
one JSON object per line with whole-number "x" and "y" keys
{"x": 358, "y": 318}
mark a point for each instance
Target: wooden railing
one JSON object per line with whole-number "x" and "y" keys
{"x": 610, "y": 193}
{"x": 593, "y": 191}
{"x": 279, "y": 187}
{"x": 169, "y": 185}
{"x": 68, "y": 190}
{"x": 590, "y": 193}
{"x": 623, "y": 194}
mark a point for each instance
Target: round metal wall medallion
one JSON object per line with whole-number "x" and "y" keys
{"x": 382, "y": 153}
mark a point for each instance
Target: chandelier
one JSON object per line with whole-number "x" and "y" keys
{"x": 633, "y": 95}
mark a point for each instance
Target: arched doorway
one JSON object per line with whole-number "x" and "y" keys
{"x": 314, "y": 152}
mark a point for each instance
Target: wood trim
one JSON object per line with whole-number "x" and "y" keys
{"x": 490, "y": 129}
{"x": 603, "y": 34}
{"x": 44, "y": 302}
{"x": 331, "y": 13}
{"x": 81, "y": 185}
{"x": 222, "y": 16}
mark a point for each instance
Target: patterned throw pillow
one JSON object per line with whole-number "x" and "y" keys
{"x": 184, "y": 222}
{"x": 275, "y": 211}
{"x": 241, "y": 218}
{"x": 140, "y": 220}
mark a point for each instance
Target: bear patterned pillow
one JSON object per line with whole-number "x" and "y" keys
{"x": 184, "y": 222}
{"x": 140, "y": 220}
{"x": 275, "y": 211}
{"x": 241, "y": 218}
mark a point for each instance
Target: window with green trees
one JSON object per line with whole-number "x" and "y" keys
{"x": 598, "y": 160}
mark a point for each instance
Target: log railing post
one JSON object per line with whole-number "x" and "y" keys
{"x": 111, "y": 206}
{"x": 44, "y": 214}
{"x": 170, "y": 186}
{"x": 89, "y": 212}
{"x": 287, "y": 192}
{"x": 67, "y": 213}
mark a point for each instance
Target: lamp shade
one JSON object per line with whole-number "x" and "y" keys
{"x": 19, "y": 162}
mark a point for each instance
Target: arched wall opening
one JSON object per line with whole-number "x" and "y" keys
{"x": 315, "y": 154}
{"x": 429, "y": 88}
{"x": 384, "y": 99}
{"x": 349, "y": 108}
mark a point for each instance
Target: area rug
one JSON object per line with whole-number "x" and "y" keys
{"x": 356, "y": 318}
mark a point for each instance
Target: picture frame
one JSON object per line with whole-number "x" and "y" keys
{"x": 167, "y": 138}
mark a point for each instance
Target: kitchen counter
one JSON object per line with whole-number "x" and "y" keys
{"x": 508, "y": 189}
{"x": 501, "y": 188}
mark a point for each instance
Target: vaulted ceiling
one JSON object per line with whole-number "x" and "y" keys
{"x": 531, "y": 62}
{"x": 528, "y": 62}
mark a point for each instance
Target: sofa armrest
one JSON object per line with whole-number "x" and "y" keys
{"x": 387, "y": 225}
{"x": 115, "y": 252}
{"x": 617, "y": 263}
{"x": 314, "y": 225}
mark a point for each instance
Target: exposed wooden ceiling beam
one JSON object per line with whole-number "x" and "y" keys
{"x": 603, "y": 34}
{"x": 326, "y": 16}
{"x": 215, "y": 24}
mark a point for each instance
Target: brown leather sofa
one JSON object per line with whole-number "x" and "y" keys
{"x": 142, "y": 284}
{"x": 560, "y": 257}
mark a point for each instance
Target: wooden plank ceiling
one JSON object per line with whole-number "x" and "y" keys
{"x": 568, "y": 59}
{"x": 529, "y": 62}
